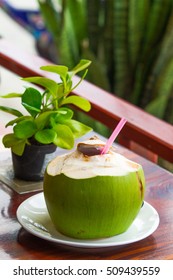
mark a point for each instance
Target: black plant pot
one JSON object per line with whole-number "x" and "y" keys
{"x": 32, "y": 164}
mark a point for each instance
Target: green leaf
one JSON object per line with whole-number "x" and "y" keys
{"x": 79, "y": 129}
{"x": 97, "y": 73}
{"x": 49, "y": 84}
{"x": 61, "y": 90}
{"x": 11, "y": 111}
{"x": 78, "y": 101}
{"x": 69, "y": 86}
{"x": 83, "y": 64}
{"x": 158, "y": 106}
{"x": 82, "y": 78}
{"x": 43, "y": 119}
{"x": 45, "y": 136}
{"x": 49, "y": 11}
{"x": 61, "y": 70}
{"x": 32, "y": 110}
{"x": 25, "y": 129}
{"x": 11, "y": 95}
{"x": 18, "y": 149}
{"x": 62, "y": 117}
{"x": 11, "y": 141}
{"x": 121, "y": 71}
{"x": 65, "y": 111}
{"x": 93, "y": 22}
{"x": 77, "y": 11}
{"x": 138, "y": 12}
{"x": 31, "y": 100}
{"x": 64, "y": 138}
{"x": 18, "y": 120}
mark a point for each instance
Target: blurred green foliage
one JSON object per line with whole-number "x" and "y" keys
{"x": 130, "y": 43}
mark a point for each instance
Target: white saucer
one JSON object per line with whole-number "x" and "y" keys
{"x": 33, "y": 216}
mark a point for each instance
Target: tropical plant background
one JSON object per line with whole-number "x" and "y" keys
{"x": 130, "y": 43}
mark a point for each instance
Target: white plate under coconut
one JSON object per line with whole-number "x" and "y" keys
{"x": 33, "y": 216}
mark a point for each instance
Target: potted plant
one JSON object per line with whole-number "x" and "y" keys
{"x": 49, "y": 121}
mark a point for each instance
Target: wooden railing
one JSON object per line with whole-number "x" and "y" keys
{"x": 143, "y": 133}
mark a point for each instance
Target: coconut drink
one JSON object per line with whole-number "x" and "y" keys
{"x": 93, "y": 195}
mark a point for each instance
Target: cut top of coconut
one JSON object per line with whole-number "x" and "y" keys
{"x": 77, "y": 165}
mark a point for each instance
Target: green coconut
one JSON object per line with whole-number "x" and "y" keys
{"x": 89, "y": 195}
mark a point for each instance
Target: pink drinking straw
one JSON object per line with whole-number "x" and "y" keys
{"x": 113, "y": 136}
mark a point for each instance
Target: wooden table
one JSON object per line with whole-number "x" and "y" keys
{"x": 17, "y": 243}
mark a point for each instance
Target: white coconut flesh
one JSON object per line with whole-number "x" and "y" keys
{"x": 77, "y": 165}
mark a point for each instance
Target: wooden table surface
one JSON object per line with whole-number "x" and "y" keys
{"x": 17, "y": 243}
